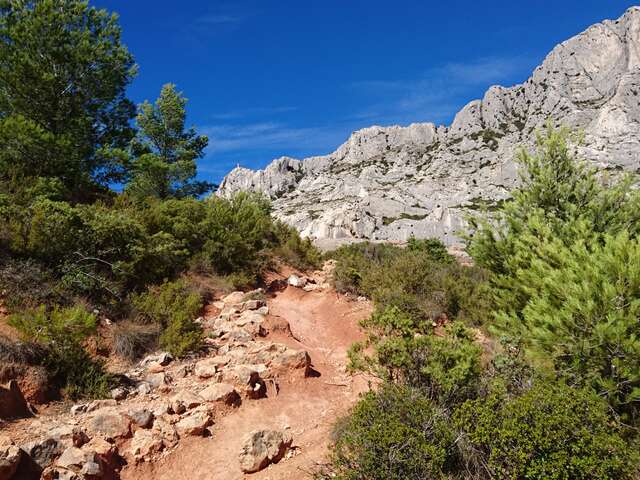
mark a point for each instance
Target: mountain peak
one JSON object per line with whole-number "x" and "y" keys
{"x": 388, "y": 183}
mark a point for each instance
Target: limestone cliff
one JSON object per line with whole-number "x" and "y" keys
{"x": 388, "y": 183}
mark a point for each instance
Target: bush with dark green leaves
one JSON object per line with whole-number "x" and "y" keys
{"x": 61, "y": 331}
{"x": 564, "y": 257}
{"x": 420, "y": 280}
{"x": 445, "y": 367}
{"x": 396, "y": 433}
{"x": 551, "y": 431}
{"x": 174, "y": 306}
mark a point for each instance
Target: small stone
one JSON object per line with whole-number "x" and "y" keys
{"x": 221, "y": 392}
{"x": 296, "y": 281}
{"x": 195, "y": 423}
{"x": 142, "y": 418}
{"x": 207, "y": 368}
{"x": 263, "y": 447}
{"x": 119, "y": 393}
{"x": 157, "y": 380}
{"x": 144, "y": 388}
{"x": 9, "y": 460}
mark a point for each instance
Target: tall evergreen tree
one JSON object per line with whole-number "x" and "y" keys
{"x": 63, "y": 109}
{"x": 165, "y": 153}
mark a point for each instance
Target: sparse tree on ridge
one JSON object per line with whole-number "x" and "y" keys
{"x": 165, "y": 153}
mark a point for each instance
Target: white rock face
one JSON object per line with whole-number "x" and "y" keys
{"x": 388, "y": 183}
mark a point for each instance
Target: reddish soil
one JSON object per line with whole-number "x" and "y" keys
{"x": 323, "y": 323}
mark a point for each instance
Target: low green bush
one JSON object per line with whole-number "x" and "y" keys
{"x": 174, "y": 306}
{"x": 551, "y": 431}
{"x": 61, "y": 330}
{"x": 394, "y": 434}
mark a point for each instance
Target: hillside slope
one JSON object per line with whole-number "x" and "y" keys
{"x": 388, "y": 183}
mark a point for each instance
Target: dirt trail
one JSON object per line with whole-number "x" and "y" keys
{"x": 321, "y": 322}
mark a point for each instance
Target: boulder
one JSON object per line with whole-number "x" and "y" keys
{"x": 142, "y": 418}
{"x": 145, "y": 444}
{"x": 195, "y": 423}
{"x": 263, "y": 447}
{"x": 110, "y": 423}
{"x": 296, "y": 281}
{"x": 222, "y": 393}
{"x": 12, "y": 402}
{"x": 10, "y": 457}
{"x": 44, "y": 451}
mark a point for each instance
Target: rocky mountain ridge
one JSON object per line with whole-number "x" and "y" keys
{"x": 389, "y": 183}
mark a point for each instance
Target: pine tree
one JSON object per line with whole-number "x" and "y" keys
{"x": 63, "y": 110}
{"x": 165, "y": 153}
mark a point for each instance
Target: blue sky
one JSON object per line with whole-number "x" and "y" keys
{"x": 267, "y": 78}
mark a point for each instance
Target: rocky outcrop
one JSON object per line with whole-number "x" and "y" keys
{"x": 388, "y": 183}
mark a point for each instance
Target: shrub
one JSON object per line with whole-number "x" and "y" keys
{"x": 393, "y": 434}
{"x": 29, "y": 353}
{"x": 173, "y": 306}
{"x": 446, "y": 368}
{"x": 132, "y": 340}
{"x": 421, "y": 281}
{"x": 26, "y": 283}
{"x": 238, "y": 231}
{"x": 294, "y": 250}
{"x": 582, "y": 316}
{"x": 62, "y": 330}
{"x": 550, "y": 432}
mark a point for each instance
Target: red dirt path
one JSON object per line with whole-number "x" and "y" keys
{"x": 323, "y": 323}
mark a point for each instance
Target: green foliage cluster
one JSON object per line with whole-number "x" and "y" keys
{"x": 396, "y": 433}
{"x": 66, "y": 237}
{"x": 174, "y": 307}
{"x": 422, "y": 280}
{"x": 559, "y": 286}
{"x": 564, "y": 259}
{"x": 552, "y": 431}
{"x": 61, "y": 331}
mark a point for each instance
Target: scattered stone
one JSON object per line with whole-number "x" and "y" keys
{"x": 110, "y": 423}
{"x": 156, "y": 380}
{"x": 44, "y": 451}
{"x": 296, "y": 281}
{"x": 185, "y": 400}
{"x": 119, "y": 393}
{"x": 9, "y": 460}
{"x": 195, "y": 423}
{"x": 233, "y": 298}
{"x": 143, "y": 418}
{"x": 263, "y": 447}
{"x": 79, "y": 437}
{"x": 207, "y": 368}
{"x": 144, "y": 388}
{"x": 98, "y": 404}
{"x": 72, "y": 459}
{"x": 166, "y": 431}
{"x": 162, "y": 358}
{"x": 221, "y": 392}
{"x": 145, "y": 444}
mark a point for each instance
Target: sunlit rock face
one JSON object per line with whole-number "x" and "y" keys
{"x": 389, "y": 183}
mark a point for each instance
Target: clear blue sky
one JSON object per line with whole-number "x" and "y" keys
{"x": 267, "y": 78}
